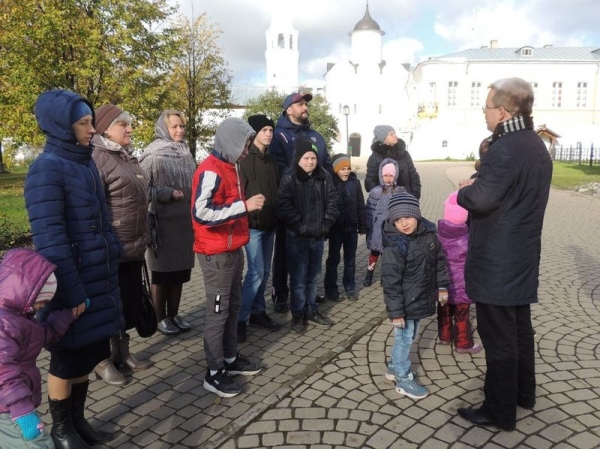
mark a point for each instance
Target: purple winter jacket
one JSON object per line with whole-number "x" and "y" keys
{"x": 455, "y": 243}
{"x": 23, "y": 273}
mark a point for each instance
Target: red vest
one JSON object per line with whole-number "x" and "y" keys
{"x": 219, "y": 215}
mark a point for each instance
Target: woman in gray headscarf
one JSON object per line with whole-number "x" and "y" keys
{"x": 169, "y": 168}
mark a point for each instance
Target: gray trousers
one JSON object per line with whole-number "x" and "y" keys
{"x": 11, "y": 437}
{"x": 223, "y": 285}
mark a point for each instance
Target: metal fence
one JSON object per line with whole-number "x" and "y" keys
{"x": 577, "y": 154}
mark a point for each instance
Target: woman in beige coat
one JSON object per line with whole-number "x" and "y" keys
{"x": 125, "y": 187}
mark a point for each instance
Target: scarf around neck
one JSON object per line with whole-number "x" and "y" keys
{"x": 516, "y": 123}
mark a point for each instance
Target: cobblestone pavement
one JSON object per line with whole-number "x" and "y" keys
{"x": 326, "y": 388}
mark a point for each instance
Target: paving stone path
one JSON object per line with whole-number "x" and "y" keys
{"x": 326, "y": 388}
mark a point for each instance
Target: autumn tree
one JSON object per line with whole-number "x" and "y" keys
{"x": 110, "y": 51}
{"x": 200, "y": 83}
{"x": 270, "y": 104}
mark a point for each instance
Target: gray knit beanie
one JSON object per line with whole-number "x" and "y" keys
{"x": 381, "y": 132}
{"x": 403, "y": 205}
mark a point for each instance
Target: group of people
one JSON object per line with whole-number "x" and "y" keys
{"x": 263, "y": 188}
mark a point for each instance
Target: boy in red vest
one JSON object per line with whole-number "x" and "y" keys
{"x": 220, "y": 221}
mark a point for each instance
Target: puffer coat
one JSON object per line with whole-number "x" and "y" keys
{"x": 413, "y": 267}
{"x": 455, "y": 243}
{"x": 351, "y": 202}
{"x": 70, "y": 225}
{"x": 23, "y": 273}
{"x": 307, "y": 205}
{"x": 408, "y": 177}
{"x": 125, "y": 186}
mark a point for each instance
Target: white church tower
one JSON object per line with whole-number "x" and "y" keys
{"x": 366, "y": 41}
{"x": 282, "y": 53}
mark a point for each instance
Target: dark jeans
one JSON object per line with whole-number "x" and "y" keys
{"x": 339, "y": 239}
{"x": 280, "y": 269}
{"x": 507, "y": 336}
{"x": 305, "y": 257}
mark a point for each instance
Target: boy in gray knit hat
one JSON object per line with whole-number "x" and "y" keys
{"x": 414, "y": 279}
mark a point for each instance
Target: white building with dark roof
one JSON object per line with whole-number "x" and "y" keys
{"x": 450, "y": 91}
{"x": 372, "y": 91}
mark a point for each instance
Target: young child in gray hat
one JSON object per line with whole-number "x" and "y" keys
{"x": 414, "y": 278}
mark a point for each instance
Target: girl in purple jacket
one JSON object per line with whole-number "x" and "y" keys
{"x": 27, "y": 283}
{"x": 453, "y": 234}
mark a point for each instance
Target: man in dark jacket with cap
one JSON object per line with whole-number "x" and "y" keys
{"x": 506, "y": 204}
{"x": 292, "y": 124}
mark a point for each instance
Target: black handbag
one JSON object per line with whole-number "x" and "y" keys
{"x": 147, "y": 323}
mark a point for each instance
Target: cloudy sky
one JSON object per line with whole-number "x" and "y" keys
{"x": 415, "y": 29}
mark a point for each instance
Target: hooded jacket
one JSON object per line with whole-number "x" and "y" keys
{"x": 376, "y": 210}
{"x": 307, "y": 204}
{"x": 412, "y": 269}
{"x": 125, "y": 187}
{"x": 218, "y": 203}
{"x": 407, "y": 173}
{"x": 259, "y": 175}
{"x": 23, "y": 273}
{"x": 70, "y": 225}
{"x": 455, "y": 241}
{"x": 284, "y": 143}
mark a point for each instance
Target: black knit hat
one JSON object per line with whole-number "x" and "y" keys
{"x": 403, "y": 205}
{"x": 303, "y": 146}
{"x": 259, "y": 121}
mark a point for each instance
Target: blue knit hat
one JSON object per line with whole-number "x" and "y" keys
{"x": 80, "y": 109}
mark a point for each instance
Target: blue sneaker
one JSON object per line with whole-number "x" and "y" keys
{"x": 411, "y": 388}
{"x": 390, "y": 373}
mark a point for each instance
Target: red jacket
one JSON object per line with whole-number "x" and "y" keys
{"x": 219, "y": 215}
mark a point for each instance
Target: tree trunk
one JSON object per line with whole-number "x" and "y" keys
{"x": 1, "y": 160}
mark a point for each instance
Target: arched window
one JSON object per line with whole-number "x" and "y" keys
{"x": 444, "y": 144}
{"x": 280, "y": 41}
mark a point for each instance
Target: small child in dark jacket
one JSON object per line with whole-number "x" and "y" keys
{"x": 344, "y": 233}
{"x": 308, "y": 206}
{"x": 27, "y": 283}
{"x": 414, "y": 278}
{"x": 453, "y": 317}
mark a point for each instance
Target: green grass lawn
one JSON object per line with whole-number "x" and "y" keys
{"x": 570, "y": 176}
{"x": 14, "y": 225}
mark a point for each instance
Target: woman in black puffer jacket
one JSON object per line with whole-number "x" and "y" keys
{"x": 387, "y": 144}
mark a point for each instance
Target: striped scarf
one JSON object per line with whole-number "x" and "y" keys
{"x": 516, "y": 123}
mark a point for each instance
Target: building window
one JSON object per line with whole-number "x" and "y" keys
{"x": 444, "y": 144}
{"x": 452, "y": 88}
{"x": 556, "y": 94}
{"x": 355, "y": 109}
{"x": 380, "y": 108}
{"x": 280, "y": 41}
{"x": 534, "y": 87}
{"x": 526, "y": 51}
{"x": 291, "y": 43}
{"x": 475, "y": 93}
{"x": 340, "y": 108}
{"x": 581, "y": 95}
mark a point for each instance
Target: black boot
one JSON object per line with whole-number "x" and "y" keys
{"x": 83, "y": 428}
{"x": 368, "y": 278}
{"x": 298, "y": 324}
{"x": 63, "y": 432}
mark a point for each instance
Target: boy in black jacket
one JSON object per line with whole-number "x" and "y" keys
{"x": 414, "y": 278}
{"x": 344, "y": 232}
{"x": 307, "y": 205}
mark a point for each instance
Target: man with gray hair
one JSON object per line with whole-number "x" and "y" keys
{"x": 506, "y": 204}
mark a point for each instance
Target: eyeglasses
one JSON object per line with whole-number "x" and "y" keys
{"x": 486, "y": 107}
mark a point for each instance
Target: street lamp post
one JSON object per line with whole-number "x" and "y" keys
{"x": 346, "y": 110}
